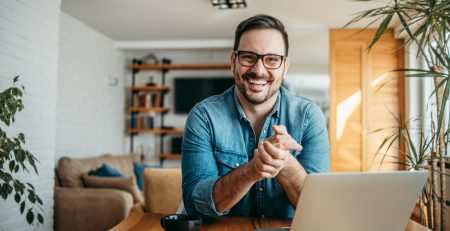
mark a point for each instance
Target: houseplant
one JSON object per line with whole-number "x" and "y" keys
{"x": 426, "y": 23}
{"x": 14, "y": 159}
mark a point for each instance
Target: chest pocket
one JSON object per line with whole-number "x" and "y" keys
{"x": 227, "y": 161}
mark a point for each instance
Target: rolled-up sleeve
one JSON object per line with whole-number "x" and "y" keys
{"x": 199, "y": 167}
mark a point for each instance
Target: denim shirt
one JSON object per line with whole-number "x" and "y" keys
{"x": 218, "y": 138}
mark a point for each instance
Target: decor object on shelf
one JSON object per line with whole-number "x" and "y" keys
{"x": 228, "y": 4}
{"x": 14, "y": 159}
{"x": 150, "y": 59}
{"x": 426, "y": 24}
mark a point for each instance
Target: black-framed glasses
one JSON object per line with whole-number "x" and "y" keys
{"x": 249, "y": 59}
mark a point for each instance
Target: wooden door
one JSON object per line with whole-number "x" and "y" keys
{"x": 365, "y": 97}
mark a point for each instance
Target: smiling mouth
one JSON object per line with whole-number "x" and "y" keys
{"x": 260, "y": 82}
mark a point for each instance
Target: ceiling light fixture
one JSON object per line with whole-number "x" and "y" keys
{"x": 229, "y": 4}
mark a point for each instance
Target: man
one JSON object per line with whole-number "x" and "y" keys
{"x": 241, "y": 149}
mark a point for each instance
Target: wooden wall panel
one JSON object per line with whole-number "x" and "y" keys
{"x": 365, "y": 97}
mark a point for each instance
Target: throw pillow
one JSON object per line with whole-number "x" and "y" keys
{"x": 106, "y": 170}
{"x": 139, "y": 172}
{"x": 124, "y": 183}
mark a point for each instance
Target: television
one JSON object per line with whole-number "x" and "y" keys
{"x": 189, "y": 91}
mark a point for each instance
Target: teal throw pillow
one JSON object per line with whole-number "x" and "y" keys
{"x": 139, "y": 172}
{"x": 106, "y": 170}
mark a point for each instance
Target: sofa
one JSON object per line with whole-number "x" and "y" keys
{"x": 83, "y": 202}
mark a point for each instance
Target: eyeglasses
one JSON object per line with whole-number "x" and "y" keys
{"x": 249, "y": 59}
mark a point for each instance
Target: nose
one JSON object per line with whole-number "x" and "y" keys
{"x": 259, "y": 67}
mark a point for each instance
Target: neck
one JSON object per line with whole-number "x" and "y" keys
{"x": 256, "y": 112}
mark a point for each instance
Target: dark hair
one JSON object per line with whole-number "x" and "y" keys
{"x": 261, "y": 21}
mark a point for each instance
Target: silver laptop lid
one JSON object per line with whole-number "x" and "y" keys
{"x": 369, "y": 201}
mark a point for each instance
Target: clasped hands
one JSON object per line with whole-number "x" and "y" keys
{"x": 273, "y": 155}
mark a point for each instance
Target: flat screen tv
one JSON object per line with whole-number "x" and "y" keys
{"x": 189, "y": 91}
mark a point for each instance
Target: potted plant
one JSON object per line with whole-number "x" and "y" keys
{"x": 427, "y": 24}
{"x": 15, "y": 159}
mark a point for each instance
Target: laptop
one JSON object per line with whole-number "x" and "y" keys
{"x": 369, "y": 201}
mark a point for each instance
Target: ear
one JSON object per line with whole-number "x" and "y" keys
{"x": 286, "y": 66}
{"x": 232, "y": 60}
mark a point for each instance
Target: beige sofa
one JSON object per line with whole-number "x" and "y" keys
{"x": 97, "y": 208}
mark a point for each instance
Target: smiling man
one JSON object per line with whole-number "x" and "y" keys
{"x": 247, "y": 152}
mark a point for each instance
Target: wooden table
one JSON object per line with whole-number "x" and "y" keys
{"x": 137, "y": 221}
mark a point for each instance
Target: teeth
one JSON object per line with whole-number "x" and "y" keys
{"x": 259, "y": 82}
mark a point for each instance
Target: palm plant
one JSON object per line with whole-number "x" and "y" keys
{"x": 14, "y": 159}
{"x": 427, "y": 24}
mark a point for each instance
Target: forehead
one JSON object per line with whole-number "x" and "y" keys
{"x": 262, "y": 41}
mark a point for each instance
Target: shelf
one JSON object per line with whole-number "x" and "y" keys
{"x": 145, "y": 109}
{"x": 181, "y": 67}
{"x": 149, "y": 88}
{"x": 156, "y": 131}
{"x": 170, "y": 155}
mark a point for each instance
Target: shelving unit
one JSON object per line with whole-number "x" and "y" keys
{"x": 162, "y": 131}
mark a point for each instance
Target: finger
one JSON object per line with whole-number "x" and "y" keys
{"x": 267, "y": 169}
{"x": 272, "y": 150}
{"x": 284, "y": 142}
{"x": 265, "y": 157}
{"x": 277, "y": 138}
{"x": 279, "y": 129}
{"x": 293, "y": 145}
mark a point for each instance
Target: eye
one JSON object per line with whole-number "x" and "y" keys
{"x": 247, "y": 56}
{"x": 273, "y": 58}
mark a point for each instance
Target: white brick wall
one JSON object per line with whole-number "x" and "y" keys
{"x": 90, "y": 111}
{"x": 29, "y": 34}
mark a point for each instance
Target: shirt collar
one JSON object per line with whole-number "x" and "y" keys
{"x": 275, "y": 111}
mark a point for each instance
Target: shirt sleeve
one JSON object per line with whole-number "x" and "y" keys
{"x": 315, "y": 156}
{"x": 199, "y": 167}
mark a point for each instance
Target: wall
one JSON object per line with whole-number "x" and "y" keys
{"x": 29, "y": 48}
{"x": 91, "y": 95}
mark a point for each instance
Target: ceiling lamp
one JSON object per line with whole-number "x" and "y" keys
{"x": 228, "y": 4}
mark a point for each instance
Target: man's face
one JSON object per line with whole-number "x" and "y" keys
{"x": 258, "y": 84}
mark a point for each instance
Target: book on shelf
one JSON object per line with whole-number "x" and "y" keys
{"x": 142, "y": 122}
{"x": 148, "y": 99}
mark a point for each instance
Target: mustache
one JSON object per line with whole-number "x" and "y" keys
{"x": 253, "y": 75}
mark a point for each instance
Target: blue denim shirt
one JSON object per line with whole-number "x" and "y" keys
{"x": 218, "y": 138}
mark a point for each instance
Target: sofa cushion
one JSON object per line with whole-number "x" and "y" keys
{"x": 127, "y": 184}
{"x": 139, "y": 172}
{"x": 106, "y": 170}
{"x": 70, "y": 170}
{"x": 162, "y": 190}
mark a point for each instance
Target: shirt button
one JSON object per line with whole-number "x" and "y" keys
{"x": 237, "y": 164}
{"x": 261, "y": 189}
{"x": 264, "y": 132}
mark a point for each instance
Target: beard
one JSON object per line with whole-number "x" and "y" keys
{"x": 272, "y": 87}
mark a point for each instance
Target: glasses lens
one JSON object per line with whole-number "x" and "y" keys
{"x": 272, "y": 61}
{"x": 247, "y": 58}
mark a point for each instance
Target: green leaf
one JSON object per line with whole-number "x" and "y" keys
{"x": 40, "y": 218}
{"x": 22, "y": 207}
{"x": 22, "y": 137}
{"x": 17, "y": 198}
{"x": 39, "y": 200}
{"x": 12, "y": 164}
{"x": 426, "y": 74}
{"x": 31, "y": 186}
{"x": 32, "y": 198}
{"x": 444, "y": 103}
{"x": 30, "y": 217}
{"x": 382, "y": 29}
